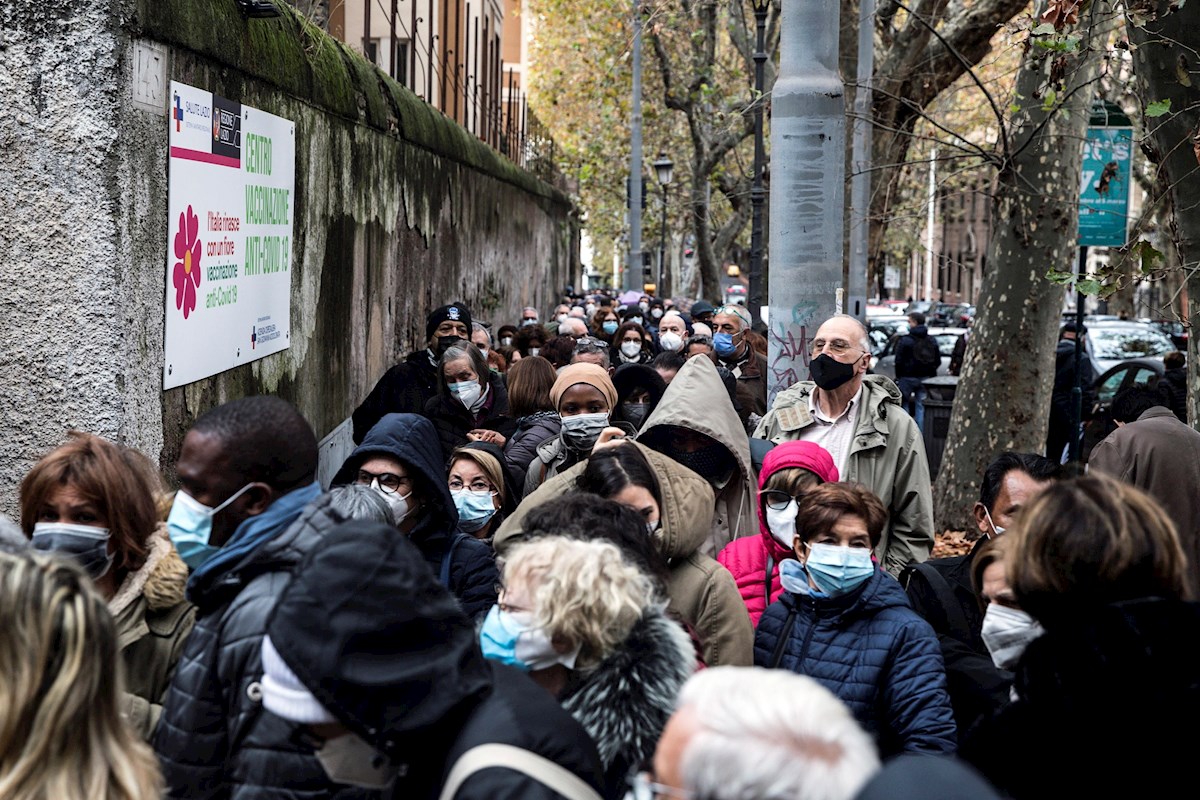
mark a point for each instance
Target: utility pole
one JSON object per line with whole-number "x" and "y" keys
{"x": 808, "y": 154}
{"x": 633, "y": 270}
{"x": 758, "y": 194}
{"x": 860, "y": 182}
{"x": 929, "y": 222}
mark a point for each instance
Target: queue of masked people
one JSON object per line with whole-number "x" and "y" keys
{"x": 559, "y": 572}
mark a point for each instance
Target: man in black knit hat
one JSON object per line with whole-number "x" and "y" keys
{"x": 409, "y": 385}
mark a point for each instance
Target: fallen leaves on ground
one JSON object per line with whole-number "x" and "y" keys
{"x": 953, "y": 543}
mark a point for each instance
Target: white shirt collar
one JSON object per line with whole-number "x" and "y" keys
{"x": 814, "y": 407}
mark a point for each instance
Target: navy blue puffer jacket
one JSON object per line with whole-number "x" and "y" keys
{"x": 466, "y": 563}
{"x": 875, "y": 653}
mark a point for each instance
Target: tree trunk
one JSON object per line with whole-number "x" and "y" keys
{"x": 1165, "y": 62}
{"x": 1004, "y": 394}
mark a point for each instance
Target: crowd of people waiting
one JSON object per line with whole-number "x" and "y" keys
{"x": 584, "y": 559}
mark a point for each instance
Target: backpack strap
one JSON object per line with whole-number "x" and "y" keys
{"x": 444, "y": 573}
{"x": 785, "y": 633}
{"x": 955, "y": 617}
{"x": 541, "y": 769}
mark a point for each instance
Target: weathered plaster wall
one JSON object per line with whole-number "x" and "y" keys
{"x": 397, "y": 210}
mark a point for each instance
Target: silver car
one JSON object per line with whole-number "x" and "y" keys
{"x": 885, "y": 362}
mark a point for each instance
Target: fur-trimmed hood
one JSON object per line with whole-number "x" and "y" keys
{"x": 624, "y": 702}
{"x": 162, "y": 579}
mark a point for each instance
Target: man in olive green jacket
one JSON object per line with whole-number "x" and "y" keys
{"x": 700, "y": 590}
{"x": 859, "y": 420}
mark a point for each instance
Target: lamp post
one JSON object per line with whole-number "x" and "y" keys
{"x": 663, "y": 167}
{"x": 757, "y": 192}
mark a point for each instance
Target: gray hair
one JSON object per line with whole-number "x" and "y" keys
{"x": 355, "y": 501}
{"x": 864, "y": 340}
{"x": 589, "y": 345}
{"x": 734, "y": 310}
{"x": 572, "y": 324}
{"x": 698, "y": 339}
{"x": 479, "y": 326}
{"x": 466, "y": 350}
{"x": 772, "y": 735}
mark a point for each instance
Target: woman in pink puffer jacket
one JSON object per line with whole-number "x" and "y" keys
{"x": 789, "y": 470}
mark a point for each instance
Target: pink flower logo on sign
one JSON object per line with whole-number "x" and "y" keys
{"x": 186, "y": 276}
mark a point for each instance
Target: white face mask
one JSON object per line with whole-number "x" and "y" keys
{"x": 671, "y": 341}
{"x": 562, "y": 318}
{"x": 397, "y": 502}
{"x": 533, "y": 351}
{"x": 469, "y": 393}
{"x": 656, "y": 313}
{"x": 782, "y": 524}
{"x": 631, "y": 349}
{"x": 350, "y": 760}
{"x": 1007, "y": 632}
{"x": 590, "y": 309}
{"x": 995, "y": 531}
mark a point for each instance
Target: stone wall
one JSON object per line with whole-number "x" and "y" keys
{"x": 397, "y": 210}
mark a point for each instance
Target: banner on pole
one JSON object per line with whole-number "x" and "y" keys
{"x": 231, "y": 185}
{"x": 1104, "y": 187}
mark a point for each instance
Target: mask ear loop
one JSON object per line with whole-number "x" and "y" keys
{"x": 995, "y": 531}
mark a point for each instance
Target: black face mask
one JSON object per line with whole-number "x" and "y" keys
{"x": 829, "y": 373}
{"x": 634, "y": 413}
{"x": 444, "y": 343}
{"x": 713, "y": 463}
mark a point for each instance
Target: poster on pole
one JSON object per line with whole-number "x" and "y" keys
{"x": 231, "y": 184}
{"x": 1104, "y": 187}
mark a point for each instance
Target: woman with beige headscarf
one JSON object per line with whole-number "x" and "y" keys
{"x": 584, "y": 397}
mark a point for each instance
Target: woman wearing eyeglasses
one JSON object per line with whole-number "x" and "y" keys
{"x": 471, "y": 404}
{"x": 788, "y": 472}
{"x": 400, "y": 458}
{"x": 478, "y": 482}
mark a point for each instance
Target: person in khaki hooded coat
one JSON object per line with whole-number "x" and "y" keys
{"x": 696, "y": 425}
{"x": 700, "y": 590}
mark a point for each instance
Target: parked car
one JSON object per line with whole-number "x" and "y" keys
{"x": 1110, "y": 343}
{"x": 885, "y": 362}
{"x": 882, "y": 329}
{"x": 949, "y": 315}
{"x": 1175, "y": 329}
{"x": 1135, "y": 371}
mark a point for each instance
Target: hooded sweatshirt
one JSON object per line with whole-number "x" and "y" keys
{"x": 754, "y": 560}
{"x": 411, "y": 440}
{"x": 701, "y": 591}
{"x": 697, "y": 399}
{"x": 400, "y": 667}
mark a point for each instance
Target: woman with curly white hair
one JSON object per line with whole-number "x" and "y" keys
{"x": 62, "y": 736}
{"x": 589, "y": 627}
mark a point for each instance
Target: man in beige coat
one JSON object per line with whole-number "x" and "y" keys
{"x": 1152, "y": 450}
{"x": 859, "y": 420}
{"x": 700, "y": 590}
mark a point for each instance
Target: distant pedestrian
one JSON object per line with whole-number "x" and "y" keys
{"x": 673, "y": 330}
{"x": 959, "y": 354}
{"x": 1152, "y": 450}
{"x": 1060, "y": 432}
{"x": 62, "y": 734}
{"x": 633, "y": 344}
{"x": 1172, "y": 386}
{"x": 408, "y": 386}
{"x": 731, "y": 323}
{"x": 667, "y": 364}
{"x": 917, "y": 358}
{"x": 639, "y": 391}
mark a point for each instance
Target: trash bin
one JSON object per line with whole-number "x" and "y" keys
{"x": 939, "y": 400}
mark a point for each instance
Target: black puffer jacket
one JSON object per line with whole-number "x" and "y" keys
{"x": 521, "y": 448}
{"x": 213, "y": 739}
{"x": 403, "y": 389}
{"x": 471, "y": 570}
{"x": 400, "y": 666}
{"x": 453, "y": 421}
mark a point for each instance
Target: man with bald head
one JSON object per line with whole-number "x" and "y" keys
{"x": 859, "y": 419}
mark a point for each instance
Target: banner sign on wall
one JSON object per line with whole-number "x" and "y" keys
{"x": 231, "y": 186}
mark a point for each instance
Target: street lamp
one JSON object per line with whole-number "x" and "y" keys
{"x": 663, "y": 167}
{"x": 757, "y": 192}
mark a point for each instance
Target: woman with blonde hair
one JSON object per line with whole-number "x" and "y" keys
{"x": 590, "y": 628}
{"x": 95, "y": 502}
{"x": 1102, "y": 693}
{"x": 62, "y": 736}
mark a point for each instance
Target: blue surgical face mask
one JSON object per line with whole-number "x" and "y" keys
{"x": 609, "y": 326}
{"x": 474, "y": 508}
{"x": 87, "y": 545}
{"x": 512, "y": 637}
{"x": 723, "y": 344}
{"x": 838, "y": 570}
{"x": 190, "y": 525}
